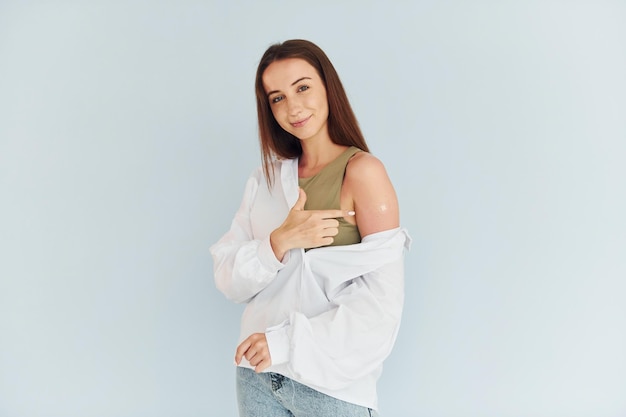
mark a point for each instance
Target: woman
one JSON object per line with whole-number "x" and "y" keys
{"x": 315, "y": 250}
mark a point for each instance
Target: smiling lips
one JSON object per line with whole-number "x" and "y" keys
{"x": 300, "y": 123}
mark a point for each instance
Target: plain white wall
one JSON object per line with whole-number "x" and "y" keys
{"x": 127, "y": 130}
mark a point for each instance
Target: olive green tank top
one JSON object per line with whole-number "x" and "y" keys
{"x": 323, "y": 191}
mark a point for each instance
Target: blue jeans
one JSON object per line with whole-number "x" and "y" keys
{"x": 274, "y": 395}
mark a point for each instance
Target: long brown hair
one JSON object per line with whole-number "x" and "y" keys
{"x": 343, "y": 127}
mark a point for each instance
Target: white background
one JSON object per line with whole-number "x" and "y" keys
{"x": 128, "y": 129}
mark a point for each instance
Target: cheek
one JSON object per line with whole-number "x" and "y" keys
{"x": 323, "y": 104}
{"x": 280, "y": 117}
{"x": 277, "y": 110}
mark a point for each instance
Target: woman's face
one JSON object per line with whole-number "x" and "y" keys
{"x": 297, "y": 97}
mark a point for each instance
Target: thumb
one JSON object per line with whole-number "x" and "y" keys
{"x": 301, "y": 201}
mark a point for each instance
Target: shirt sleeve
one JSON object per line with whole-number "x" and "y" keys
{"x": 349, "y": 341}
{"x": 242, "y": 265}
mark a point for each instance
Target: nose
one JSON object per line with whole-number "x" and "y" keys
{"x": 294, "y": 106}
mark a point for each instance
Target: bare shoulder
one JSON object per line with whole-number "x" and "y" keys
{"x": 365, "y": 170}
{"x": 362, "y": 163}
{"x": 375, "y": 200}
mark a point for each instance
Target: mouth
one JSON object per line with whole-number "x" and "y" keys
{"x": 300, "y": 123}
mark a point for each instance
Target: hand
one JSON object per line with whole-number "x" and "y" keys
{"x": 256, "y": 352}
{"x": 306, "y": 228}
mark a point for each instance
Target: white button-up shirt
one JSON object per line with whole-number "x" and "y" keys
{"x": 330, "y": 314}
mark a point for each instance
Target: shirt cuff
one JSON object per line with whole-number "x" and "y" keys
{"x": 267, "y": 256}
{"x": 278, "y": 343}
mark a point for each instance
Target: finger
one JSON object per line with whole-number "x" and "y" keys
{"x": 329, "y": 224}
{"x": 256, "y": 353}
{"x": 241, "y": 350}
{"x": 330, "y": 232}
{"x": 321, "y": 241}
{"x": 250, "y": 357}
{"x": 301, "y": 200}
{"x": 250, "y": 354}
{"x": 263, "y": 365}
{"x": 333, "y": 214}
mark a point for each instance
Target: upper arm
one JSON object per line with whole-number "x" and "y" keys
{"x": 375, "y": 200}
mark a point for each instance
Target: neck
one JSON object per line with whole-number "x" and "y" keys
{"x": 316, "y": 154}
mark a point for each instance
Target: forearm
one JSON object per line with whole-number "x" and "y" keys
{"x": 243, "y": 264}
{"x": 242, "y": 269}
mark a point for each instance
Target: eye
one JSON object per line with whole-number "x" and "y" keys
{"x": 276, "y": 99}
{"x": 303, "y": 88}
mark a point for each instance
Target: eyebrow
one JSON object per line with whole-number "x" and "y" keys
{"x": 293, "y": 83}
